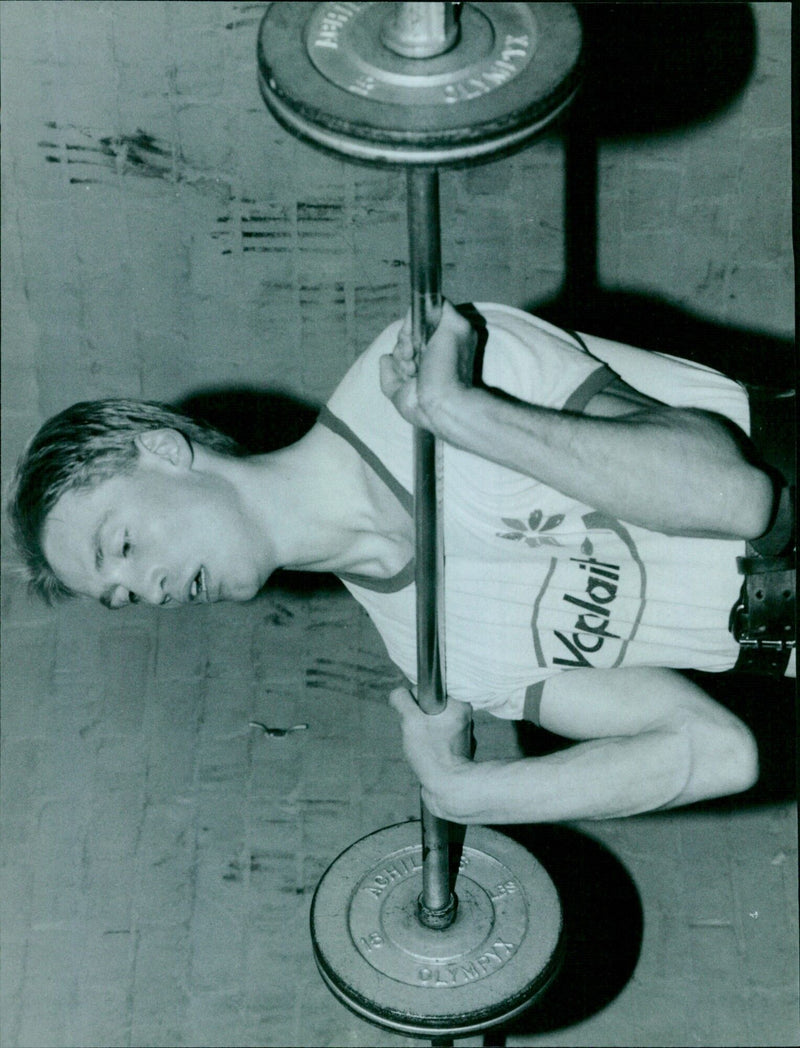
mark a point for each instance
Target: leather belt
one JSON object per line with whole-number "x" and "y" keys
{"x": 763, "y": 621}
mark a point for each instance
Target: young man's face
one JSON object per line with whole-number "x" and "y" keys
{"x": 165, "y": 533}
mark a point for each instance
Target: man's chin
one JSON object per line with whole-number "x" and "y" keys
{"x": 238, "y": 594}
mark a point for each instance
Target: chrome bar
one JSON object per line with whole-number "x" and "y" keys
{"x": 437, "y": 903}
{"x": 426, "y": 304}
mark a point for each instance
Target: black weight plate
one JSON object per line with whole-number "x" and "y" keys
{"x": 326, "y": 76}
{"x": 500, "y": 953}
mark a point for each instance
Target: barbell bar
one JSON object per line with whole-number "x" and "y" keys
{"x": 424, "y": 86}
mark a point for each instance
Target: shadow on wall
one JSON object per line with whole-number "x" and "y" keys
{"x": 603, "y": 925}
{"x": 769, "y": 708}
{"x": 652, "y": 68}
{"x": 259, "y": 420}
{"x": 649, "y": 69}
{"x": 652, "y": 323}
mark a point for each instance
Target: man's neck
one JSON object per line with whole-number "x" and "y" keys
{"x": 325, "y": 511}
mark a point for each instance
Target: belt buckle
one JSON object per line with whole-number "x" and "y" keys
{"x": 766, "y": 645}
{"x": 746, "y": 637}
{"x": 738, "y": 622}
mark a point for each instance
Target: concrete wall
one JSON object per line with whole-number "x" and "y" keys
{"x": 161, "y": 234}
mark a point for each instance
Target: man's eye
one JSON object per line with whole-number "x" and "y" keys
{"x": 126, "y": 546}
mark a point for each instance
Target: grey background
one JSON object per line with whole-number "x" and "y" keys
{"x": 162, "y": 236}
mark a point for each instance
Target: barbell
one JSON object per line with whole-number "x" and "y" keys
{"x": 332, "y": 74}
{"x": 428, "y": 934}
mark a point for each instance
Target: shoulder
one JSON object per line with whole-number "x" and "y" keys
{"x": 535, "y": 361}
{"x": 673, "y": 381}
{"x": 360, "y": 413}
{"x": 362, "y": 378}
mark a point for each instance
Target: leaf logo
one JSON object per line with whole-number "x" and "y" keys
{"x": 523, "y": 531}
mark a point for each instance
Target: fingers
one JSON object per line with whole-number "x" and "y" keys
{"x": 449, "y": 318}
{"x": 450, "y": 314}
{"x": 454, "y": 320}
{"x": 404, "y": 348}
{"x": 405, "y": 358}
{"x": 422, "y": 386}
{"x": 391, "y": 382}
{"x": 402, "y": 701}
{"x": 400, "y": 389}
{"x": 456, "y": 715}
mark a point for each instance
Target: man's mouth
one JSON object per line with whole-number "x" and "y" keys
{"x": 198, "y": 590}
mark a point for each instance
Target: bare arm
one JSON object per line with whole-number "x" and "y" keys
{"x": 670, "y": 470}
{"x": 652, "y": 740}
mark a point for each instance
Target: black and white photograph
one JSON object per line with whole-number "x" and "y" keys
{"x": 398, "y": 548}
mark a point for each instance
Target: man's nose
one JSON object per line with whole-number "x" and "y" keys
{"x": 151, "y": 586}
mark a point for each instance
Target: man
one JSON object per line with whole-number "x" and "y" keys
{"x": 592, "y": 525}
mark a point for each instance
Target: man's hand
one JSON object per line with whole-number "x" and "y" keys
{"x": 437, "y": 746}
{"x": 679, "y": 471}
{"x": 651, "y": 739}
{"x": 427, "y": 392}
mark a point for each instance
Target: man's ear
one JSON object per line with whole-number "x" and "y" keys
{"x": 168, "y": 445}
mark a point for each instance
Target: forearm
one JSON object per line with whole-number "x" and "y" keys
{"x": 601, "y": 779}
{"x": 678, "y": 472}
{"x": 652, "y": 739}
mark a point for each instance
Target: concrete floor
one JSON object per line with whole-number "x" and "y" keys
{"x": 159, "y": 855}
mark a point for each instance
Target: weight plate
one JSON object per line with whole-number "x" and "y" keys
{"x": 501, "y": 952}
{"x": 327, "y": 77}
